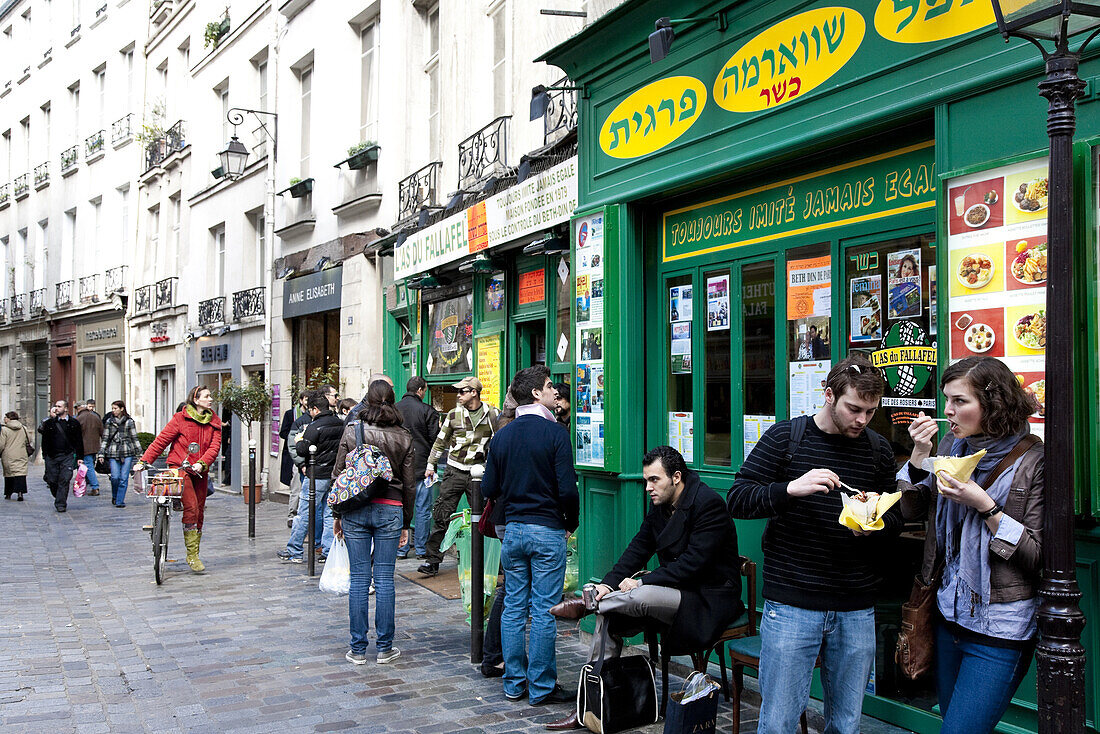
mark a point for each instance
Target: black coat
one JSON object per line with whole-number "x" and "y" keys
{"x": 60, "y": 437}
{"x": 696, "y": 548}
{"x": 422, "y": 420}
{"x": 286, "y": 465}
{"x": 325, "y": 431}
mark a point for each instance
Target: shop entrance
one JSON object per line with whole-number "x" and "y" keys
{"x": 221, "y": 471}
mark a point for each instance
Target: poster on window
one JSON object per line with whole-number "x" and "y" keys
{"x": 450, "y": 325}
{"x": 809, "y": 288}
{"x": 718, "y": 303}
{"x": 807, "y": 381}
{"x": 679, "y": 303}
{"x": 903, "y": 278}
{"x": 866, "y": 308}
{"x": 681, "y": 434}
{"x": 680, "y": 349}
{"x": 494, "y": 293}
{"x": 588, "y": 238}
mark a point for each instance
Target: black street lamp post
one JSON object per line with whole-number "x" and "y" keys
{"x": 1060, "y": 657}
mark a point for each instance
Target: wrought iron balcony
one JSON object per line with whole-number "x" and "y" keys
{"x": 418, "y": 190}
{"x": 3, "y": 310}
{"x": 212, "y": 311}
{"x": 18, "y": 306}
{"x": 38, "y": 301}
{"x": 143, "y": 299}
{"x": 75, "y": 31}
{"x": 483, "y": 153}
{"x": 175, "y": 138}
{"x": 561, "y": 113}
{"x": 42, "y": 174}
{"x": 115, "y": 279}
{"x": 155, "y": 152}
{"x": 63, "y": 297}
{"x": 68, "y": 158}
{"x": 93, "y": 144}
{"x": 89, "y": 289}
{"x": 100, "y": 11}
{"x": 5, "y": 193}
{"x": 122, "y": 129}
{"x": 165, "y": 293}
{"x": 248, "y": 303}
{"x": 22, "y": 185}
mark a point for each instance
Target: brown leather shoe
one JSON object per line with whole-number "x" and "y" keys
{"x": 570, "y": 609}
{"x": 569, "y": 722}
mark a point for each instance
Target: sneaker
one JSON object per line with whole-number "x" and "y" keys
{"x": 429, "y": 569}
{"x": 322, "y": 559}
{"x": 290, "y": 522}
{"x": 371, "y": 589}
{"x": 121, "y": 504}
{"x": 297, "y": 559}
{"x": 388, "y": 656}
{"x": 517, "y": 696}
{"x": 356, "y": 658}
{"x": 284, "y": 554}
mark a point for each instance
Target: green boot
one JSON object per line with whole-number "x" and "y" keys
{"x": 191, "y": 540}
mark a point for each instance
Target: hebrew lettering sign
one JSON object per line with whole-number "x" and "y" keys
{"x": 653, "y": 117}
{"x": 922, "y": 21}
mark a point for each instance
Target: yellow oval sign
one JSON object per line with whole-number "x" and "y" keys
{"x": 652, "y": 117}
{"x": 922, "y": 22}
{"x": 789, "y": 59}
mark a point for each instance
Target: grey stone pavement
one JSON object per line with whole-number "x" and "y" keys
{"x": 89, "y": 643}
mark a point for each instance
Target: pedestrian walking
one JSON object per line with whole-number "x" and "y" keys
{"x": 121, "y": 448}
{"x": 383, "y": 522}
{"x": 820, "y": 578}
{"x": 15, "y": 440}
{"x": 91, "y": 428}
{"x": 422, "y": 421}
{"x": 463, "y": 437}
{"x": 290, "y": 453}
{"x": 529, "y": 470}
{"x": 985, "y": 535}
{"x": 194, "y": 435}
{"x": 62, "y": 444}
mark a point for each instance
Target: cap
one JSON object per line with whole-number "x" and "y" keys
{"x": 468, "y": 382}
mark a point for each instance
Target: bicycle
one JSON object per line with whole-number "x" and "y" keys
{"x": 165, "y": 489}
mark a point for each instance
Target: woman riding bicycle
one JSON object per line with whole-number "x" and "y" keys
{"x": 195, "y": 435}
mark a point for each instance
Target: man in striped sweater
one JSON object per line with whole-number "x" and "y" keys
{"x": 819, "y": 577}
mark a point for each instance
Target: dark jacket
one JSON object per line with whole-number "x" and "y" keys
{"x": 422, "y": 421}
{"x": 530, "y": 467}
{"x": 396, "y": 443}
{"x": 325, "y": 430}
{"x": 60, "y": 437}
{"x": 91, "y": 427}
{"x": 286, "y": 465}
{"x": 696, "y": 548}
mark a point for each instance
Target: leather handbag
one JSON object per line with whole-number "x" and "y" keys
{"x": 102, "y": 466}
{"x": 616, "y": 694}
{"x": 485, "y": 524}
{"x": 915, "y": 649}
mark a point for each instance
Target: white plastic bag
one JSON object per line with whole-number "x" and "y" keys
{"x": 336, "y": 577}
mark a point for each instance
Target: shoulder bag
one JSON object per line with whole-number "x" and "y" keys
{"x": 29, "y": 445}
{"x": 915, "y": 647}
{"x": 367, "y": 473}
{"x": 616, "y": 694}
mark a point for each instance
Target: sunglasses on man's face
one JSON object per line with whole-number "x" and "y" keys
{"x": 465, "y": 390}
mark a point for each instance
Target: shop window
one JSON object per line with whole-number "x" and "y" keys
{"x": 88, "y": 380}
{"x": 494, "y": 303}
{"x": 680, "y": 404}
{"x": 316, "y": 343}
{"x": 563, "y": 347}
{"x": 809, "y": 327}
{"x": 717, "y": 445}
{"x": 450, "y": 330}
{"x": 757, "y": 337}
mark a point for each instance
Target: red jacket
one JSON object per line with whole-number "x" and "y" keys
{"x": 190, "y": 440}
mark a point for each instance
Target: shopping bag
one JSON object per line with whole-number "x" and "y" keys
{"x": 458, "y": 534}
{"x": 80, "y": 483}
{"x": 572, "y": 566}
{"x": 694, "y": 708}
{"x": 336, "y": 578}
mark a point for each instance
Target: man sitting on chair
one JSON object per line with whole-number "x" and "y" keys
{"x": 694, "y": 593}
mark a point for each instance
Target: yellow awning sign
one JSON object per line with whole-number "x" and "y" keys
{"x": 897, "y": 356}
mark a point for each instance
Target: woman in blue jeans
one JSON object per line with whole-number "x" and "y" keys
{"x": 384, "y": 521}
{"x": 986, "y": 539}
{"x": 121, "y": 448}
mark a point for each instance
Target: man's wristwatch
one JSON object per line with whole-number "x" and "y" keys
{"x": 991, "y": 512}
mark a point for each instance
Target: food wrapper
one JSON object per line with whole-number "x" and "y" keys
{"x": 960, "y": 467}
{"x": 852, "y": 519}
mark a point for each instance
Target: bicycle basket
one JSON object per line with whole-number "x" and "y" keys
{"x": 166, "y": 484}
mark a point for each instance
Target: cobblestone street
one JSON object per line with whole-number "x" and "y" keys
{"x": 91, "y": 644}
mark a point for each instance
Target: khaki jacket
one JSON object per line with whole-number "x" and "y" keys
{"x": 13, "y": 448}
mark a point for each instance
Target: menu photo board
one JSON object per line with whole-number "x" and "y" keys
{"x": 997, "y": 255}
{"x": 588, "y": 406}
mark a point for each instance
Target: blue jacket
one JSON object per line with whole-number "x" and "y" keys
{"x": 529, "y": 466}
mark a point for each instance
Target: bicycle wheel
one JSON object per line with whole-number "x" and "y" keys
{"x": 160, "y": 540}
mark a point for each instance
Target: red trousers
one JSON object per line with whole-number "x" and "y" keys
{"x": 194, "y": 500}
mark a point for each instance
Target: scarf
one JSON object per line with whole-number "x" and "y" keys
{"x": 197, "y": 415}
{"x": 535, "y": 409}
{"x": 960, "y": 530}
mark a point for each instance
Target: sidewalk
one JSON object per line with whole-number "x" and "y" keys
{"x": 91, "y": 644}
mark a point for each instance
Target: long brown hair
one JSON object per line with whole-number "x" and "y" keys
{"x": 119, "y": 403}
{"x": 1005, "y": 405}
{"x": 380, "y": 410}
{"x": 193, "y": 394}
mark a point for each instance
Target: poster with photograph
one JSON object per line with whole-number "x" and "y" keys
{"x": 933, "y": 299}
{"x": 904, "y": 286}
{"x": 866, "y": 308}
{"x": 679, "y": 303}
{"x": 807, "y": 381}
{"x": 588, "y": 410}
{"x": 584, "y": 298}
{"x": 809, "y": 291}
{"x": 590, "y": 439}
{"x": 809, "y": 339}
{"x": 680, "y": 348}
{"x": 681, "y": 434}
{"x": 596, "y": 293}
{"x": 755, "y": 425}
{"x": 494, "y": 293}
{"x": 718, "y": 303}
{"x": 591, "y": 344}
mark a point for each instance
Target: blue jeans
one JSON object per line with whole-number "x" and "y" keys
{"x": 322, "y": 518}
{"x": 533, "y": 557}
{"x": 975, "y": 682}
{"x": 120, "y": 478}
{"x": 422, "y": 516}
{"x": 791, "y": 638}
{"x": 380, "y": 524}
{"x": 91, "y": 478}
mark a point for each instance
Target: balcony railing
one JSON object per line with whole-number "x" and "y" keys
{"x": 100, "y": 11}
{"x": 22, "y": 185}
{"x": 75, "y": 31}
{"x": 483, "y": 153}
{"x": 38, "y": 301}
{"x": 143, "y": 299}
{"x": 5, "y": 193}
{"x": 166, "y": 293}
{"x": 561, "y": 113}
{"x": 155, "y": 153}
{"x": 175, "y": 138}
{"x": 18, "y": 306}
{"x": 248, "y": 303}
{"x": 3, "y": 310}
{"x": 115, "y": 280}
{"x": 93, "y": 144}
{"x": 122, "y": 129}
{"x": 42, "y": 174}
{"x": 89, "y": 289}
{"x": 212, "y": 311}
{"x": 63, "y": 298}
{"x": 68, "y": 158}
{"x": 418, "y": 190}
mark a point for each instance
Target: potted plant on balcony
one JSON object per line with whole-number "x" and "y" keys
{"x": 361, "y": 154}
{"x": 215, "y": 31}
{"x": 299, "y": 188}
{"x": 251, "y": 403}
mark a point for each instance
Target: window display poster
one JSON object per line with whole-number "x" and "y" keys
{"x": 679, "y": 303}
{"x": 680, "y": 349}
{"x": 494, "y": 293}
{"x": 591, "y": 344}
{"x": 488, "y": 368}
{"x": 866, "y": 308}
{"x": 596, "y": 286}
{"x": 808, "y": 288}
{"x": 718, "y": 303}
{"x": 933, "y": 296}
{"x": 590, "y": 439}
{"x": 903, "y": 278}
{"x": 755, "y": 425}
{"x": 807, "y": 380}
{"x": 810, "y": 338}
{"x": 276, "y": 419}
{"x": 450, "y": 326}
{"x": 590, "y": 243}
{"x": 532, "y": 287}
{"x": 681, "y": 434}
{"x": 584, "y": 298}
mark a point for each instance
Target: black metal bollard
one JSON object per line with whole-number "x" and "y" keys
{"x": 252, "y": 488}
{"x": 477, "y": 567}
{"x": 307, "y": 547}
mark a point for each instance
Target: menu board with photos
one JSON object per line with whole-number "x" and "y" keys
{"x": 997, "y": 259}
{"x": 588, "y": 406}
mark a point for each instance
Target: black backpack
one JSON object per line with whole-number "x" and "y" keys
{"x": 798, "y": 430}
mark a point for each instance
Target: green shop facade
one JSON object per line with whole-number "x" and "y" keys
{"x": 794, "y": 181}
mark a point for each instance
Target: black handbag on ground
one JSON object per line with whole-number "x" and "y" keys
{"x": 617, "y": 694}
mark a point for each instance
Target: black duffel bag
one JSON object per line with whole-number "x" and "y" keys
{"x": 617, "y": 694}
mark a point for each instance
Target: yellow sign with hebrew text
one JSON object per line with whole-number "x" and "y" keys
{"x": 653, "y": 117}
{"x": 924, "y": 21}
